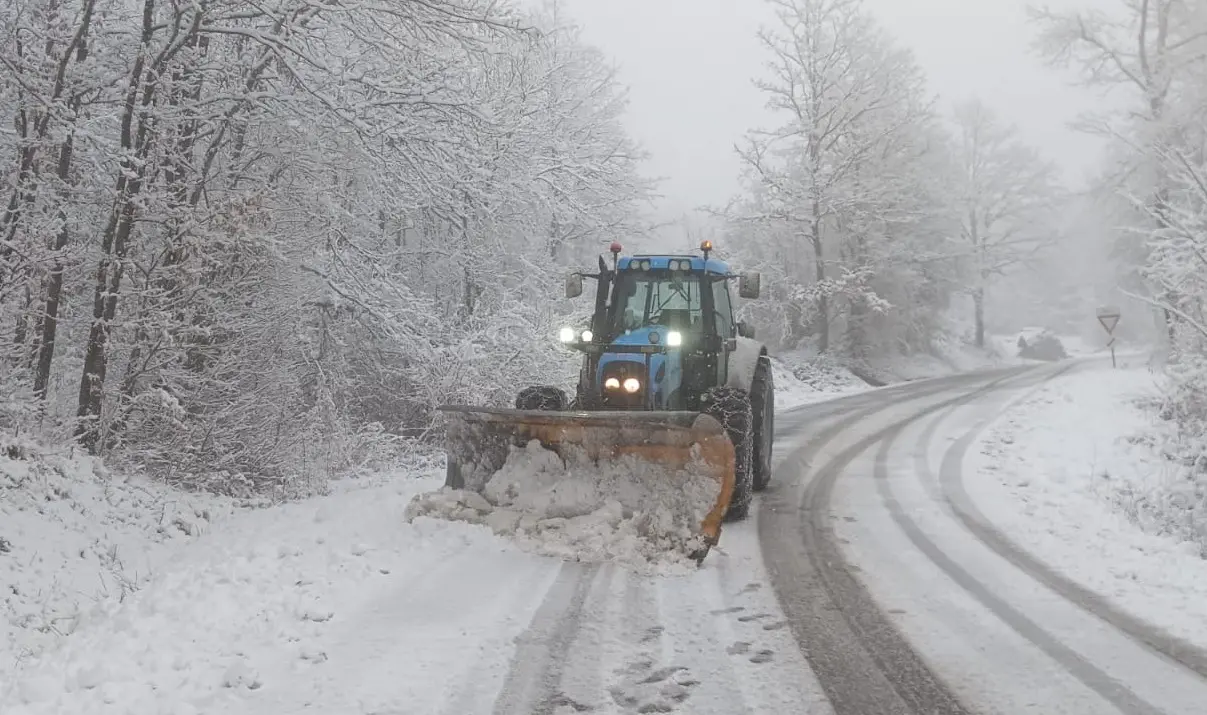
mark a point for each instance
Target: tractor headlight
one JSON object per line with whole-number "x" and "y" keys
{"x": 612, "y": 383}
{"x": 587, "y": 336}
{"x": 567, "y": 335}
{"x": 674, "y": 339}
{"x": 632, "y": 385}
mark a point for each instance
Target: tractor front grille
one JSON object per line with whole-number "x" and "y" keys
{"x": 618, "y": 398}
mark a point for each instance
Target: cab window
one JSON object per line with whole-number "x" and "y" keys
{"x": 723, "y": 312}
{"x": 647, "y": 298}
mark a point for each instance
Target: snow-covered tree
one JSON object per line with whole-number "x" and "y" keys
{"x": 844, "y": 200}
{"x": 1008, "y": 196}
{"x": 1152, "y": 51}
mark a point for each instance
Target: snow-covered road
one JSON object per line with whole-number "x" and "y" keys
{"x": 874, "y": 577}
{"x": 941, "y": 611}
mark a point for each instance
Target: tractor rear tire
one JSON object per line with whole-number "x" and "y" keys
{"x": 544, "y": 398}
{"x": 731, "y": 407}
{"x": 762, "y": 403}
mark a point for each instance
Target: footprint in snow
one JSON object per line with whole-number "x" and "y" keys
{"x": 562, "y": 703}
{"x": 753, "y": 617}
{"x": 647, "y": 689}
{"x": 763, "y": 656}
{"x": 652, "y": 634}
{"x": 731, "y": 609}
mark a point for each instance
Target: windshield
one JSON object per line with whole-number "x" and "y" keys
{"x": 644, "y": 298}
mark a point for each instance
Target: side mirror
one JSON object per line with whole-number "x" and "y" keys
{"x": 574, "y": 285}
{"x": 746, "y": 330}
{"x": 748, "y": 285}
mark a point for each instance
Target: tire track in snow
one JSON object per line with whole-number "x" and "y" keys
{"x": 1082, "y": 669}
{"x": 480, "y": 678}
{"x": 955, "y": 495}
{"x": 367, "y": 653}
{"x": 864, "y": 664}
{"x": 579, "y": 683}
{"x": 536, "y": 668}
{"x": 757, "y": 640}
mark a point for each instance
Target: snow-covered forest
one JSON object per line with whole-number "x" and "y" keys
{"x": 245, "y": 246}
{"x": 245, "y": 242}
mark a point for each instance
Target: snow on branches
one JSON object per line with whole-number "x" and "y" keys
{"x": 846, "y": 205}
{"x": 246, "y": 244}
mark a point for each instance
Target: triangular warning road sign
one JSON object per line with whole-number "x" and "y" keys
{"x": 1109, "y": 318}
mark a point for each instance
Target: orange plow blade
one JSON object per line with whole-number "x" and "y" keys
{"x": 687, "y": 445}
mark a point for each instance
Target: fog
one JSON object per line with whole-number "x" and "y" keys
{"x": 690, "y": 66}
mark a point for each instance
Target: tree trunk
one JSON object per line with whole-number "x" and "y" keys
{"x": 115, "y": 243}
{"x": 819, "y": 270}
{"x": 49, "y": 321}
{"x": 104, "y": 309}
{"x": 978, "y": 309}
{"x": 54, "y": 285}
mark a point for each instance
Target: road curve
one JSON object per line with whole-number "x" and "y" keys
{"x": 863, "y": 663}
{"x": 904, "y": 599}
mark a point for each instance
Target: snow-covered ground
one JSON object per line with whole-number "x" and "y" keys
{"x": 1071, "y": 474}
{"x": 238, "y": 602}
{"x": 338, "y": 604}
{"x": 75, "y": 538}
{"x": 801, "y": 380}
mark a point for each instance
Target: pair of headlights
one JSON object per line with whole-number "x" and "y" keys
{"x": 631, "y": 385}
{"x": 673, "y": 338}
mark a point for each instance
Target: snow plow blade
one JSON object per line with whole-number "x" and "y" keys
{"x": 479, "y": 440}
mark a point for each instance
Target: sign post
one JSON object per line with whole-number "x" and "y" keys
{"x": 1108, "y": 317}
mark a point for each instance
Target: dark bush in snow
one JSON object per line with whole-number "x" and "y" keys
{"x": 1044, "y": 346}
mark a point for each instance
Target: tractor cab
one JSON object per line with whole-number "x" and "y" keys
{"x": 662, "y": 330}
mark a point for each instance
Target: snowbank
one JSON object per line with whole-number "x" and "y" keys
{"x": 630, "y": 512}
{"x": 76, "y": 539}
{"x": 802, "y": 380}
{"x": 1073, "y": 474}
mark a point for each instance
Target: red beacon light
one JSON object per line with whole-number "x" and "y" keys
{"x": 615, "y": 247}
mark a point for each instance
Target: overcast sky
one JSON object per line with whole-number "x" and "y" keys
{"x": 690, "y": 63}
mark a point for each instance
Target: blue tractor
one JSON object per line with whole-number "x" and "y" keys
{"x": 667, "y": 373}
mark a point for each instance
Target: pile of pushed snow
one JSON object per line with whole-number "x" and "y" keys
{"x": 73, "y": 536}
{"x": 629, "y": 511}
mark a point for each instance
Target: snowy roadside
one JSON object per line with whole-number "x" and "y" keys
{"x": 1070, "y": 474}
{"x": 74, "y": 537}
{"x": 238, "y": 601}
{"x": 802, "y": 379}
